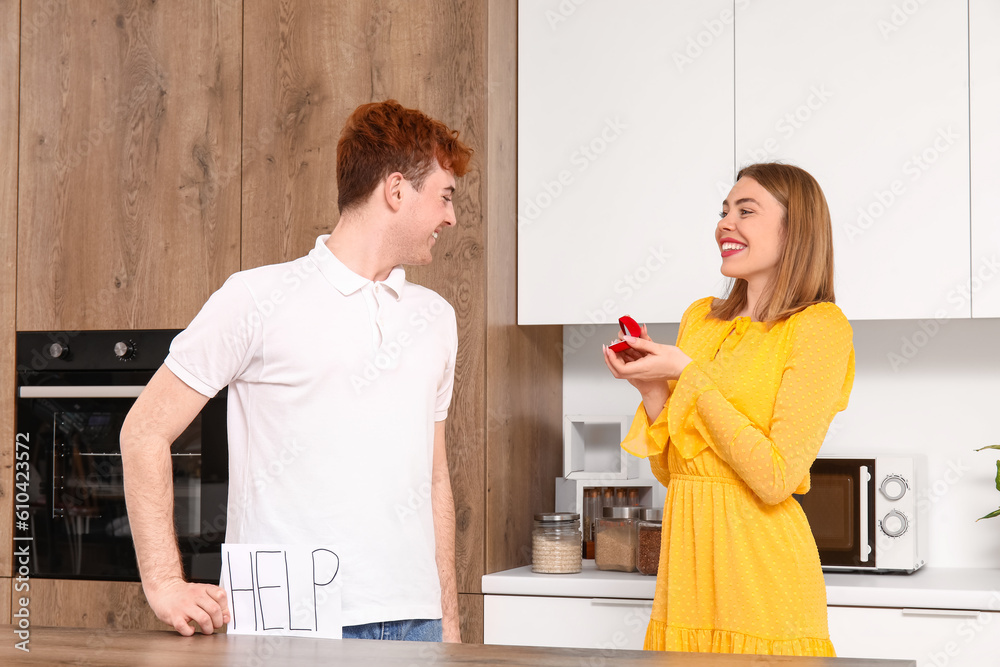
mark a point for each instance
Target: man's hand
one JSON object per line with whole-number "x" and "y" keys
{"x": 185, "y": 605}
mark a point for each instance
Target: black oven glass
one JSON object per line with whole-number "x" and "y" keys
{"x": 70, "y": 410}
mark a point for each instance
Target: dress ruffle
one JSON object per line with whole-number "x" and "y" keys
{"x": 663, "y": 637}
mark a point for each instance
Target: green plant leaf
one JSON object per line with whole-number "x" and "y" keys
{"x": 990, "y": 515}
{"x": 998, "y": 475}
{"x": 988, "y": 447}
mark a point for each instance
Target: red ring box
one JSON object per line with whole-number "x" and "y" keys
{"x": 629, "y": 327}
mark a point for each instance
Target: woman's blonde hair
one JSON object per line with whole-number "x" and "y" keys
{"x": 805, "y": 268}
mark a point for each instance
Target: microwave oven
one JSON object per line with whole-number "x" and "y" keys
{"x": 865, "y": 515}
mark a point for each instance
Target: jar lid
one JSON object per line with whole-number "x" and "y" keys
{"x": 623, "y": 512}
{"x": 651, "y": 514}
{"x": 555, "y": 517}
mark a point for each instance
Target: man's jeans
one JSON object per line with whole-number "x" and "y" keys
{"x": 412, "y": 630}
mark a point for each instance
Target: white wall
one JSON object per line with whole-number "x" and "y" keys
{"x": 926, "y": 388}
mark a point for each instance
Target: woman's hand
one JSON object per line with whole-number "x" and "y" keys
{"x": 647, "y": 366}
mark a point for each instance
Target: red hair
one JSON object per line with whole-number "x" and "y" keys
{"x": 382, "y": 138}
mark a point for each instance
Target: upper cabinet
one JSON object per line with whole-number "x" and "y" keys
{"x": 872, "y": 99}
{"x": 129, "y": 175}
{"x": 625, "y": 142}
{"x": 633, "y": 123}
{"x": 984, "y": 52}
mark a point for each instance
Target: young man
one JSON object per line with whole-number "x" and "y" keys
{"x": 340, "y": 376}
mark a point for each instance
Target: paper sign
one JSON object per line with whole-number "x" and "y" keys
{"x": 280, "y": 589}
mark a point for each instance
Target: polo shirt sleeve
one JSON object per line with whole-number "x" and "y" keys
{"x": 218, "y": 344}
{"x": 447, "y": 384}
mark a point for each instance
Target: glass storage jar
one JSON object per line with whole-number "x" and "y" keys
{"x": 556, "y": 543}
{"x": 649, "y": 532}
{"x": 615, "y": 539}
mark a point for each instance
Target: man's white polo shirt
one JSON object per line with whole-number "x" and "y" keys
{"x": 335, "y": 383}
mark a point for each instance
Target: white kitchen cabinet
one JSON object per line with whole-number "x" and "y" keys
{"x": 984, "y": 100}
{"x": 931, "y": 637}
{"x": 625, "y": 151}
{"x": 872, "y": 98}
{"x": 600, "y": 623}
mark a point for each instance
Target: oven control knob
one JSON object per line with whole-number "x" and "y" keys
{"x": 894, "y": 524}
{"x": 58, "y": 351}
{"x": 124, "y": 350}
{"x": 893, "y": 487}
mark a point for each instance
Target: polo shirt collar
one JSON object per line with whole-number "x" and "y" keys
{"x": 347, "y": 282}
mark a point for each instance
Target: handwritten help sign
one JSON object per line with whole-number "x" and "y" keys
{"x": 280, "y": 589}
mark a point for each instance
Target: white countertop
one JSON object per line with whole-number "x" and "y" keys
{"x": 927, "y": 588}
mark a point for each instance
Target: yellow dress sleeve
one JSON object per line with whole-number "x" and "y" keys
{"x": 815, "y": 384}
{"x": 648, "y": 440}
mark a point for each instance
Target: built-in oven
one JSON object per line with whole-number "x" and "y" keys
{"x": 74, "y": 390}
{"x": 865, "y": 514}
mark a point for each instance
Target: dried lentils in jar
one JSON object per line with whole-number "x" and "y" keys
{"x": 556, "y": 543}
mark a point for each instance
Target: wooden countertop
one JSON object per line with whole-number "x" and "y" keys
{"x": 77, "y": 646}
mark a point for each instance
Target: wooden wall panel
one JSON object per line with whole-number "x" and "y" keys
{"x": 91, "y": 604}
{"x": 470, "y": 609}
{"x": 312, "y": 63}
{"x": 6, "y": 600}
{"x": 523, "y": 364}
{"x": 9, "y": 48}
{"x": 129, "y": 207}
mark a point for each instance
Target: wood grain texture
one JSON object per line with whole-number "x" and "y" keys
{"x": 470, "y": 609}
{"x": 6, "y": 587}
{"x": 310, "y": 65}
{"x": 9, "y": 67}
{"x": 91, "y": 604}
{"x": 68, "y": 646}
{"x": 129, "y": 207}
{"x": 523, "y": 364}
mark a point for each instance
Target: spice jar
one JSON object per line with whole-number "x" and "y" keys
{"x": 556, "y": 543}
{"x": 615, "y": 539}
{"x": 649, "y": 532}
{"x": 591, "y": 510}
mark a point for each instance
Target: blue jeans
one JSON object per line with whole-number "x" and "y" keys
{"x": 419, "y": 630}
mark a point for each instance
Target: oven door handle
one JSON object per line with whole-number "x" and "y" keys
{"x": 83, "y": 391}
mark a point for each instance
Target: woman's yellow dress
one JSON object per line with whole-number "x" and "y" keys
{"x": 739, "y": 571}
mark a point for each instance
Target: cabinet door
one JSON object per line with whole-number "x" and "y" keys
{"x": 521, "y": 620}
{"x": 129, "y": 188}
{"x": 932, "y": 637}
{"x": 871, "y": 97}
{"x": 984, "y": 64}
{"x": 625, "y": 151}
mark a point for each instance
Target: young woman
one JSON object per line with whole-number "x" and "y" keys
{"x": 732, "y": 418}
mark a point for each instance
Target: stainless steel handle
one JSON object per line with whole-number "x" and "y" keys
{"x": 96, "y": 391}
{"x": 961, "y": 613}
{"x": 613, "y": 602}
